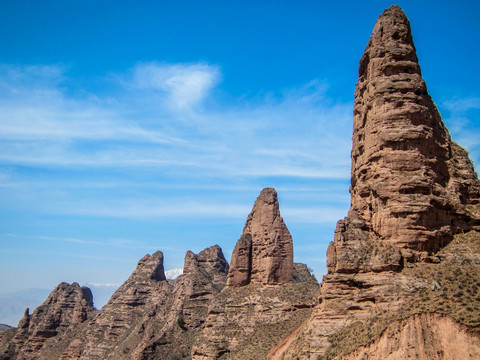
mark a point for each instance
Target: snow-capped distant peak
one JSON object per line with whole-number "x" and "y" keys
{"x": 173, "y": 273}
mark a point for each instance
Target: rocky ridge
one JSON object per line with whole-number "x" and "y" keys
{"x": 67, "y": 307}
{"x": 150, "y": 317}
{"x": 266, "y": 296}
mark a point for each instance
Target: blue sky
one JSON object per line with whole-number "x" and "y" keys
{"x": 130, "y": 128}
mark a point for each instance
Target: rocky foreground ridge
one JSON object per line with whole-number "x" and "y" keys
{"x": 403, "y": 275}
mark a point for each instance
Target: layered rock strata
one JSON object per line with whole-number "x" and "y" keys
{"x": 111, "y": 328}
{"x": 264, "y": 252}
{"x": 423, "y": 337}
{"x": 244, "y": 322}
{"x": 267, "y": 294}
{"x": 149, "y": 317}
{"x": 67, "y": 307}
{"x": 413, "y": 191}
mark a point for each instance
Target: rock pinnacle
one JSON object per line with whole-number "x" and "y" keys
{"x": 264, "y": 252}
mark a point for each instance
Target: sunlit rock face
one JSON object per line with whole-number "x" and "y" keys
{"x": 411, "y": 186}
{"x": 264, "y": 252}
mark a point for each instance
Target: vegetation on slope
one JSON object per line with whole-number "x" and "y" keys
{"x": 455, "y": 291}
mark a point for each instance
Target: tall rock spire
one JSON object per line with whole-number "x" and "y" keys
{"x": 410, "y": 184}
{"x": 264, "y": 252}
{"x": 412, "y": 189}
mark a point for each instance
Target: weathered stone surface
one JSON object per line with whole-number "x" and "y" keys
{"x": 412, "y": 189}
{"x": 267, "y": 294}
{"x": 422, "y": 337}
{"x": 66, "y": 307}
{"x": 410, "y": 183}
{"x": 264, "y": 253}
{"x": 245, "y": 322}
{"x": 149, "y": 317}
{"x": 124, "y": 311}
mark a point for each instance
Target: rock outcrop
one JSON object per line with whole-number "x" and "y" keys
{"x": 413, "y": 191}
{"x": 111, "y": 328}
{"x": 149, "y": 317}
{"x": 267, "y": 294}
{"x": 410, "y": 184}
{"x": 197, "y": 315}
{"x": 423, "y": 337}
{"x": 67, "y": 307}
{"x": 245, "y": 322}
{"x": 264, "y": 252}
{"x": 403, "y": 267}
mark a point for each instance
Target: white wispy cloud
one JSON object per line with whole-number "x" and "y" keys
{"x": 184, "y": 85}
{"x": 120, "y": 243}
{"x": 102, "y": 285}
{"x": 314, "y": 214}
{"x": 140, "y": 208}
{"x": 458, "y": 114}
{"x": 42, "y": 124}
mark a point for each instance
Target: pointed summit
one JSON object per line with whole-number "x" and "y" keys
{"x": 150, "y": 267}
{"x": 406, "y": 174}
{"x": 67, "y": 306}
{"x": 264, "y": 252}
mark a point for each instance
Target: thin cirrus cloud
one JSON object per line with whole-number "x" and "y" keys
{"x": 155, "y": 117}
{"x": 184, "y": 85}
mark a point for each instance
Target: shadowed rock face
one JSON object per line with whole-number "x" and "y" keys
{"x": 119, "y": 317}
{"x": 264, "y": 252}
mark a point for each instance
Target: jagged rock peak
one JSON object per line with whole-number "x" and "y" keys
{"x": 66, "y": 306}
{"x": 150, "y": 267}
{"x": 210, "y": 260}
{"x": 69, "y": 296}
{"x": 410, "y": 184}
{"x": 264, "y": 252}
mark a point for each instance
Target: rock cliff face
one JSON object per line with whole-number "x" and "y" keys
{"x": 264, "y": 252}
{"x": 111, "y": 328}
{"x": 245, "y": 322}
{"x": 413, "y": 191}
{"x": 410, "y": 184}
{"x": 67, "y": 307}
{"x": 422, "y": 337}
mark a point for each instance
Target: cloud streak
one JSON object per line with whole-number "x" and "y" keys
{"x": 156, "y": 117}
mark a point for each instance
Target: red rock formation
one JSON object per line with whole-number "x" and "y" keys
{"x": 250, "y": 315}
{"x": 66, "y": 307}
{"x": 264, "y": 253}
{"x": 412, "y": 189}
{"x": 244, "y": 322}
{"x": 411, "y": 184}
{"x": 149, "y": 317}
{"x": 422, "y": 337}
